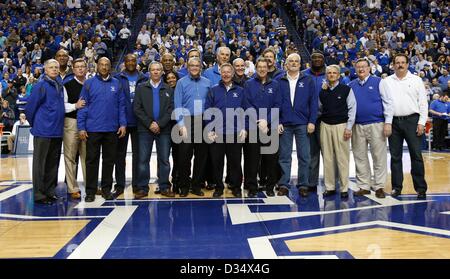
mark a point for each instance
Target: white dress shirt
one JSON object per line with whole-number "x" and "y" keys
{"x": 408, "y": 96}
{"x": 292, "y": 85}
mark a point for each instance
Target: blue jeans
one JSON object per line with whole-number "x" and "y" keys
{"x": 303, "y": 155}
{"x": 145, "y": 151}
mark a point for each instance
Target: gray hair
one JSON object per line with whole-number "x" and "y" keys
{"x": 155, "y": 63}
{"x": 237, "y": 60}
{"x": 334, "y": 66}
{"x": 219, "y": 49}
{"x": 50, "y": 61}
{"x": 293, "y": 54}
{"x": 195, "y": 59}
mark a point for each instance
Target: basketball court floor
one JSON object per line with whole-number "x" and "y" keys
{"x": 228, "y": 227}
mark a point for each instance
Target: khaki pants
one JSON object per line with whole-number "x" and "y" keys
{"x": 362, "y": 136}
{"x": 10, "y": 140}
{"x": 72, "y": 146}
{"x": 334, "y": 148}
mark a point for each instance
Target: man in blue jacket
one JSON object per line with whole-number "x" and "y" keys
{"x": 298, "y": 115}
{"x": 228, "y": 136}
{"x": 99, "y": 122}
{"x": 129, "y": 78}
{"x": 261, "y": 94}
{"x": 45, "y": 112}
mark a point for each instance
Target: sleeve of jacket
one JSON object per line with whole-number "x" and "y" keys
{"x": 246, "y": 104}
{"x": 313, "y": 102}
{"x": 165, "y": 119}
{"x": 209, "y": 103}
{"x": 276, "y": 105}
{"x": 82, "y": 113}
{"x": 178, "y": 103}
{"x": 122, "y": 106}
{"x": 34, "y": 101}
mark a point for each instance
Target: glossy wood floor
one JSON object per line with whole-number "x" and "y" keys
{"x": 263, "y": 227}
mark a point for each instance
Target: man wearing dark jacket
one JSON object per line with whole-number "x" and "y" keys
{"x": 129, "y": 78}
{"x": 45, "y": 112}
{"x": 298, "y": 115}
{"x": 153, "y": 107}
{"x": 99, "y": 122}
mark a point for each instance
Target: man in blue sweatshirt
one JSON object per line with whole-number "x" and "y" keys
{"x": 298, "y": 115}
{"x": 99, "y": 122}
{"x": 261, "y": 94}
{"x": 45, "y": 112}
{"x": 228, "y": 136}
{"x": 372, "y": 108}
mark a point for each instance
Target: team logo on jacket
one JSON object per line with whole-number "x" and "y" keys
{"x": 167, "y": 94}
{"x": 235, "y": 95}
{"x": 301, "y": 84}
{"x": 270, "y": 91}
{"x": 113, "y": 89}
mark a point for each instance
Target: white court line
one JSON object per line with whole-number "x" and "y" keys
{"x": 99, "y": 240}
{"x": 446, "y": 212}
{"x": 14, "y": 191}
{"x": 262, "y": 248}
{"x": 30, "y": 217}
{"x": 414, "y": 228}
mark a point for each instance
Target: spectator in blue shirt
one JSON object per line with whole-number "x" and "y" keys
{"x": 439, "y": 111}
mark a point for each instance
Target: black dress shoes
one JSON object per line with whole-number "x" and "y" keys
{"x": 117, "y": 193}
{"x": 89, "y": 198}
{"x": 329, "y": 193}
{"x": 396, "y": 193}
{"x": 344, "y": 195}
{"x": 252, "y": 194}
{"x": 303, "y": 192}
{"x": 217, "y": 193}
{"x": 270, "y": 193}
{"x": 210, "y": 186}
{"x": 198, "y": 192}
{"x": 52, "y": 198}
{"x": 237, "y": 193}
{"x": 108, "y": 196}
{"x": 422, "y": 195}
{"x": 184, "y": 192}
{"x": 45, "y": 201}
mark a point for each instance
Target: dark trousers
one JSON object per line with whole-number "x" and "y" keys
{"x": 252, "y": 157}
{"x": 314, "y": 149}
{"x": 46, "y": 154}
{"x": 404, "y": 128}
{"x": 107, "y": 142}
{"x": 122, "y": 145}
{"x": 233, "y": 152}
{"x": 185, "y": 152}
{"x": 440, "y": 130}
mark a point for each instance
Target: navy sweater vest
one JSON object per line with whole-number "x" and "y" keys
{"x": 334, "y": 104}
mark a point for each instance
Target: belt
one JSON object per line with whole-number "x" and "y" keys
{"x": 406, "y": 116}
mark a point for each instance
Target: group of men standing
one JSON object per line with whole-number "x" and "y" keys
{"x": 267, "y": 111}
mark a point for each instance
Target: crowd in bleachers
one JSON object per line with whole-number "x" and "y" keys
{"x": 348, "y": 30}
{"x": 247, "y": 27}
{"x": 33, "y": 31}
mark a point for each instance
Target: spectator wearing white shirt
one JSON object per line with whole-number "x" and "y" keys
{"x": 410, "y": 104}
{"x": 21, "y": 122}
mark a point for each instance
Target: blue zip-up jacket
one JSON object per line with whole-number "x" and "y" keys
{"x": 122, "y": 77}
{"x": 190, "y": 94}
{"x": 319, "y": 79}
{"x": 45, "y": 109}
{"x": 105, "y": 109}
{"x": 219, "y": 98}
{"x": 305, "y": 107}
{"x": 259, "y": 96}
{"x": 213, "y": 74}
